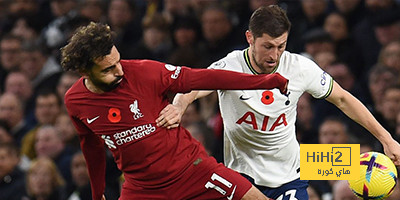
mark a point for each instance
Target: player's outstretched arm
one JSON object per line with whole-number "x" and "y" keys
{"x": 171, "y": 115}
{"x": 354, "y": 109}
{"x": 218, "y": 79}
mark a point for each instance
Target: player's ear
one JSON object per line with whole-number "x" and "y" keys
{"x": 85, "y": 76}
{"x": 249, "y": 37}
{"x": 84, "y": 73}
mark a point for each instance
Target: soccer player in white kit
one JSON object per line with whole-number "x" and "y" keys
{"x": 259, "y": 125}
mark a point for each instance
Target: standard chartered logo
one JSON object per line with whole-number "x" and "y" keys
{"x": 108, "y": 142}
{"x": 129, "y": 135}
{"x": 134, "y": 133}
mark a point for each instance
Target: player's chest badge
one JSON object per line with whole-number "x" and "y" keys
{"x": 134, "y": 107}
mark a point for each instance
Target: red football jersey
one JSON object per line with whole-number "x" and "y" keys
{"x": 124, "y": 121}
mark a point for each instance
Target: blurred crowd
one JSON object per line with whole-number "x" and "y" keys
{"x": 355, "y": 41}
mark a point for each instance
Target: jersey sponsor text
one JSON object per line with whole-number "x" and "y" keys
{"x": 134, "y": 133}
{"x": 129, "y": 135}
{"x": 250, "y": 118}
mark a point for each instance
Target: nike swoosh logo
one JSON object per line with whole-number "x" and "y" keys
{"x": 244, "y": 98}
{"x": 89, "y": 121}
{"x": 233, "y": 192}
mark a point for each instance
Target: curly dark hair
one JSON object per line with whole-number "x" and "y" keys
{"x": 271, "y": 20}
{"x": 87, "y": 44}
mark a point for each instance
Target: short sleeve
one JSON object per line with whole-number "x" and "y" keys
{"x": 318, "y": 83}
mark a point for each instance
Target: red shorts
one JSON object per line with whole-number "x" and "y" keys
{"x": 204, "y": 179}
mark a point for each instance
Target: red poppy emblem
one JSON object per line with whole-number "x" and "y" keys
{"x": 267, "y": 97}
{"x": 114, "y": 115}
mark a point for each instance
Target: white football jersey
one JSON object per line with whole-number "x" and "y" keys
{"x": 259, "y": 125}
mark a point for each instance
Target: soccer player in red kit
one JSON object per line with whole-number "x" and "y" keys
{"x": 115, "y": 104}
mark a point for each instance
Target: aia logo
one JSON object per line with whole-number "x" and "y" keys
{"x": 114, "y": 115}
{"x": 135, "y": 110}
{"x": 250, "y": 118}
{"x": 267, "y": 97}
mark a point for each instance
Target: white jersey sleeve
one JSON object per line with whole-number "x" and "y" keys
{"x": 317, "y": 82}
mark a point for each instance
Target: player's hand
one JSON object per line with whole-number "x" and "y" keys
{"x": 392, "y": 150}
{"x": 284, "y": 90}
{"x": 283, "y": 83}
{"x": 170, "y": 117}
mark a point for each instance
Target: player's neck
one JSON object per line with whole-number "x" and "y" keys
{"x": 255, "y": 67}
{"x": 89, "y": 85}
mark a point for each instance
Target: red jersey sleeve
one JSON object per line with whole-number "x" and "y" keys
{"x": 216, "y": 79}
{"x": 93, "y": 150}
{"x": 184, "y": 79}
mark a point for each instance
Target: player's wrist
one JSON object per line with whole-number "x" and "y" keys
{"x": 386, "y": 139}
{"x": 182, "y": 103}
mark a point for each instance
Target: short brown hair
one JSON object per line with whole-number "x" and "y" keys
{"x": 271, "y": 20}
{"x": 87, "y": 44}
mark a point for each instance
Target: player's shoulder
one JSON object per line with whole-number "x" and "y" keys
{"x": 76, "y": 92}
{"x": 77, "y": 87}
{"x": 295, "y": 57}
{"x": 235, "y": 53}
{"x": 141, "y": 64}
{"x": 142, "y": 69}
{"x": 298, "y": 60}
{"x": 235, "y": 56}
{"x": 231, "y": 61}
